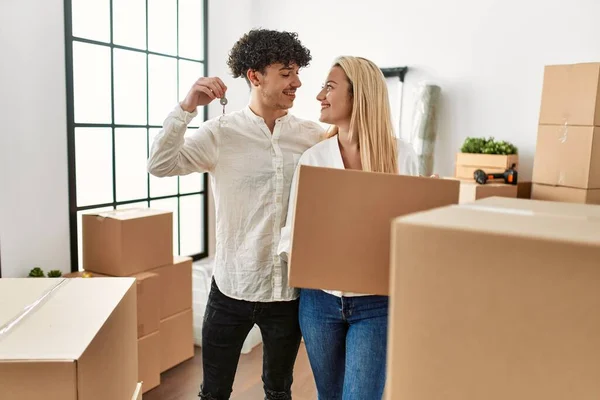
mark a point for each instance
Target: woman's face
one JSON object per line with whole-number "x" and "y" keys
{"x": 336, "y": 99}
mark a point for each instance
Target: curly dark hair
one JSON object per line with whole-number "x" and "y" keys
{"x": 260, "y": 48}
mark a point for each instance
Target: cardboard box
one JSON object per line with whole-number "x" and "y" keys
{"x": 565, "y": 194}
{"x": 496, "y": 303}
{"x": 341, "y": 226}
{"x": 571, "y": 95}
{"x": 467, "y": 163}
{"x": 148, "y": 299}
{"x": 148, "y": 303}
{"x": 175, "y": 286}
{"x": 471, "y": 191}
{"x": 70, "y": 346}
{"x": 125, "y": 242}
{"x": 567, "y": 156}
{"x": 176, "y": 340}
{"x": 149, "y": 361}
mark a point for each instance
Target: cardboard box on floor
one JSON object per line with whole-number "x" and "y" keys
{"x": 567, "y": 156}
{"x": 126, "y": 242}
{"x": 71, "y": 346}
{"x": 565, "y": 194}
{"x": 149, "y": 352}
{"x": 471, "y": 191}
{"x": 571, "y": 95}
{"x": 341, "y": 227}
{"x": 176, "y": 339}
{"x": 496, "y": 300}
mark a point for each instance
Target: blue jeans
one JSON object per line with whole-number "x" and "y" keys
{"x": 346, "y": 342}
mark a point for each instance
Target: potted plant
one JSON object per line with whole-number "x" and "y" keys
{"x": 487, "y": 154}
{"x": 55, "y": 273}
{"x": 36, "y": 272}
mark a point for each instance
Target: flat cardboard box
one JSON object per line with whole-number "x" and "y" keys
{"x": 496, "y": 303}
{"x": 571, "y": 95}
{"x": 175, "y": 286}
{"x": 176, "y": 340}
{"x": 565, "y": 194}
{"x": 567, "y": 156}
{"x": 148, "y": 303}
{"x": 125, "y": 242}
{"x": 78, "y": 343}
{"x": 149, "y": 361}
{"x": 341, "y": 226}
{"x": 468, "y": 163}
{"x": 471, "y": 191}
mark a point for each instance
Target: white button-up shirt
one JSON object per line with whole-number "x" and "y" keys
{"x": 251, "y": 170}
{"x": 328, "y": 154}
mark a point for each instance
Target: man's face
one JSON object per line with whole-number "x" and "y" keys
{"x": 277, "y": 86}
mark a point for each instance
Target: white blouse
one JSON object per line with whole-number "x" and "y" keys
{"x": 327, "y": 154}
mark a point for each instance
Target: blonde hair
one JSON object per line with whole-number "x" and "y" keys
{"x": 371, "y": 118}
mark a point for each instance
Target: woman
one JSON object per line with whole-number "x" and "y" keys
{"x": 347, "y": 349}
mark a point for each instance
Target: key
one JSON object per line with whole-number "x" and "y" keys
{"x": 223, "y": 102}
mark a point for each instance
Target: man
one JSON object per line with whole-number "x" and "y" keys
{"x": 251, "y": 156}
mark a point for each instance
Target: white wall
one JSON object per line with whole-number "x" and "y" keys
{"x": 487, "y": 56}
{"x": 34, "y": 201}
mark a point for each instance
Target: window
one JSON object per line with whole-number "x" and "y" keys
{"x": 128, "y": 64}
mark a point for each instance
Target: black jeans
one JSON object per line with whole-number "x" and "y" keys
{"x": 226, "y": 324}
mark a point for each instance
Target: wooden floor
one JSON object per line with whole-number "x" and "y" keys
{"x": 183, "y": 381}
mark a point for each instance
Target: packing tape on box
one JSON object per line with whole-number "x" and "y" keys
{"x": 565, "y": 133}
{"x": 118, "y": 213}
{"x": 563, "y": 139}
{"x": 31, "y": 308}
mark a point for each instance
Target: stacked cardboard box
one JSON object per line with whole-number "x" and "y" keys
{"x": 467, "y": 163}
{"x": 489, "y": 302}
{"x": 65, "y": 339}
{"x": 567, "y": 158}
{"x": 139, "y": 243}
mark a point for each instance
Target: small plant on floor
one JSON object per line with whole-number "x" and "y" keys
{"x": 55, "y": 273}
{"x": 487, "y": 146}
{"x": 36, "y": 273}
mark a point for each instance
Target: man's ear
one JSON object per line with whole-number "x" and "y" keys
{"x": 254, "y": 77}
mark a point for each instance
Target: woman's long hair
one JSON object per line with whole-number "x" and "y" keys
{"x": 371, "y": 119}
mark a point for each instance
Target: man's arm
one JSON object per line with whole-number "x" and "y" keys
{"x": 173, "y": 154}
